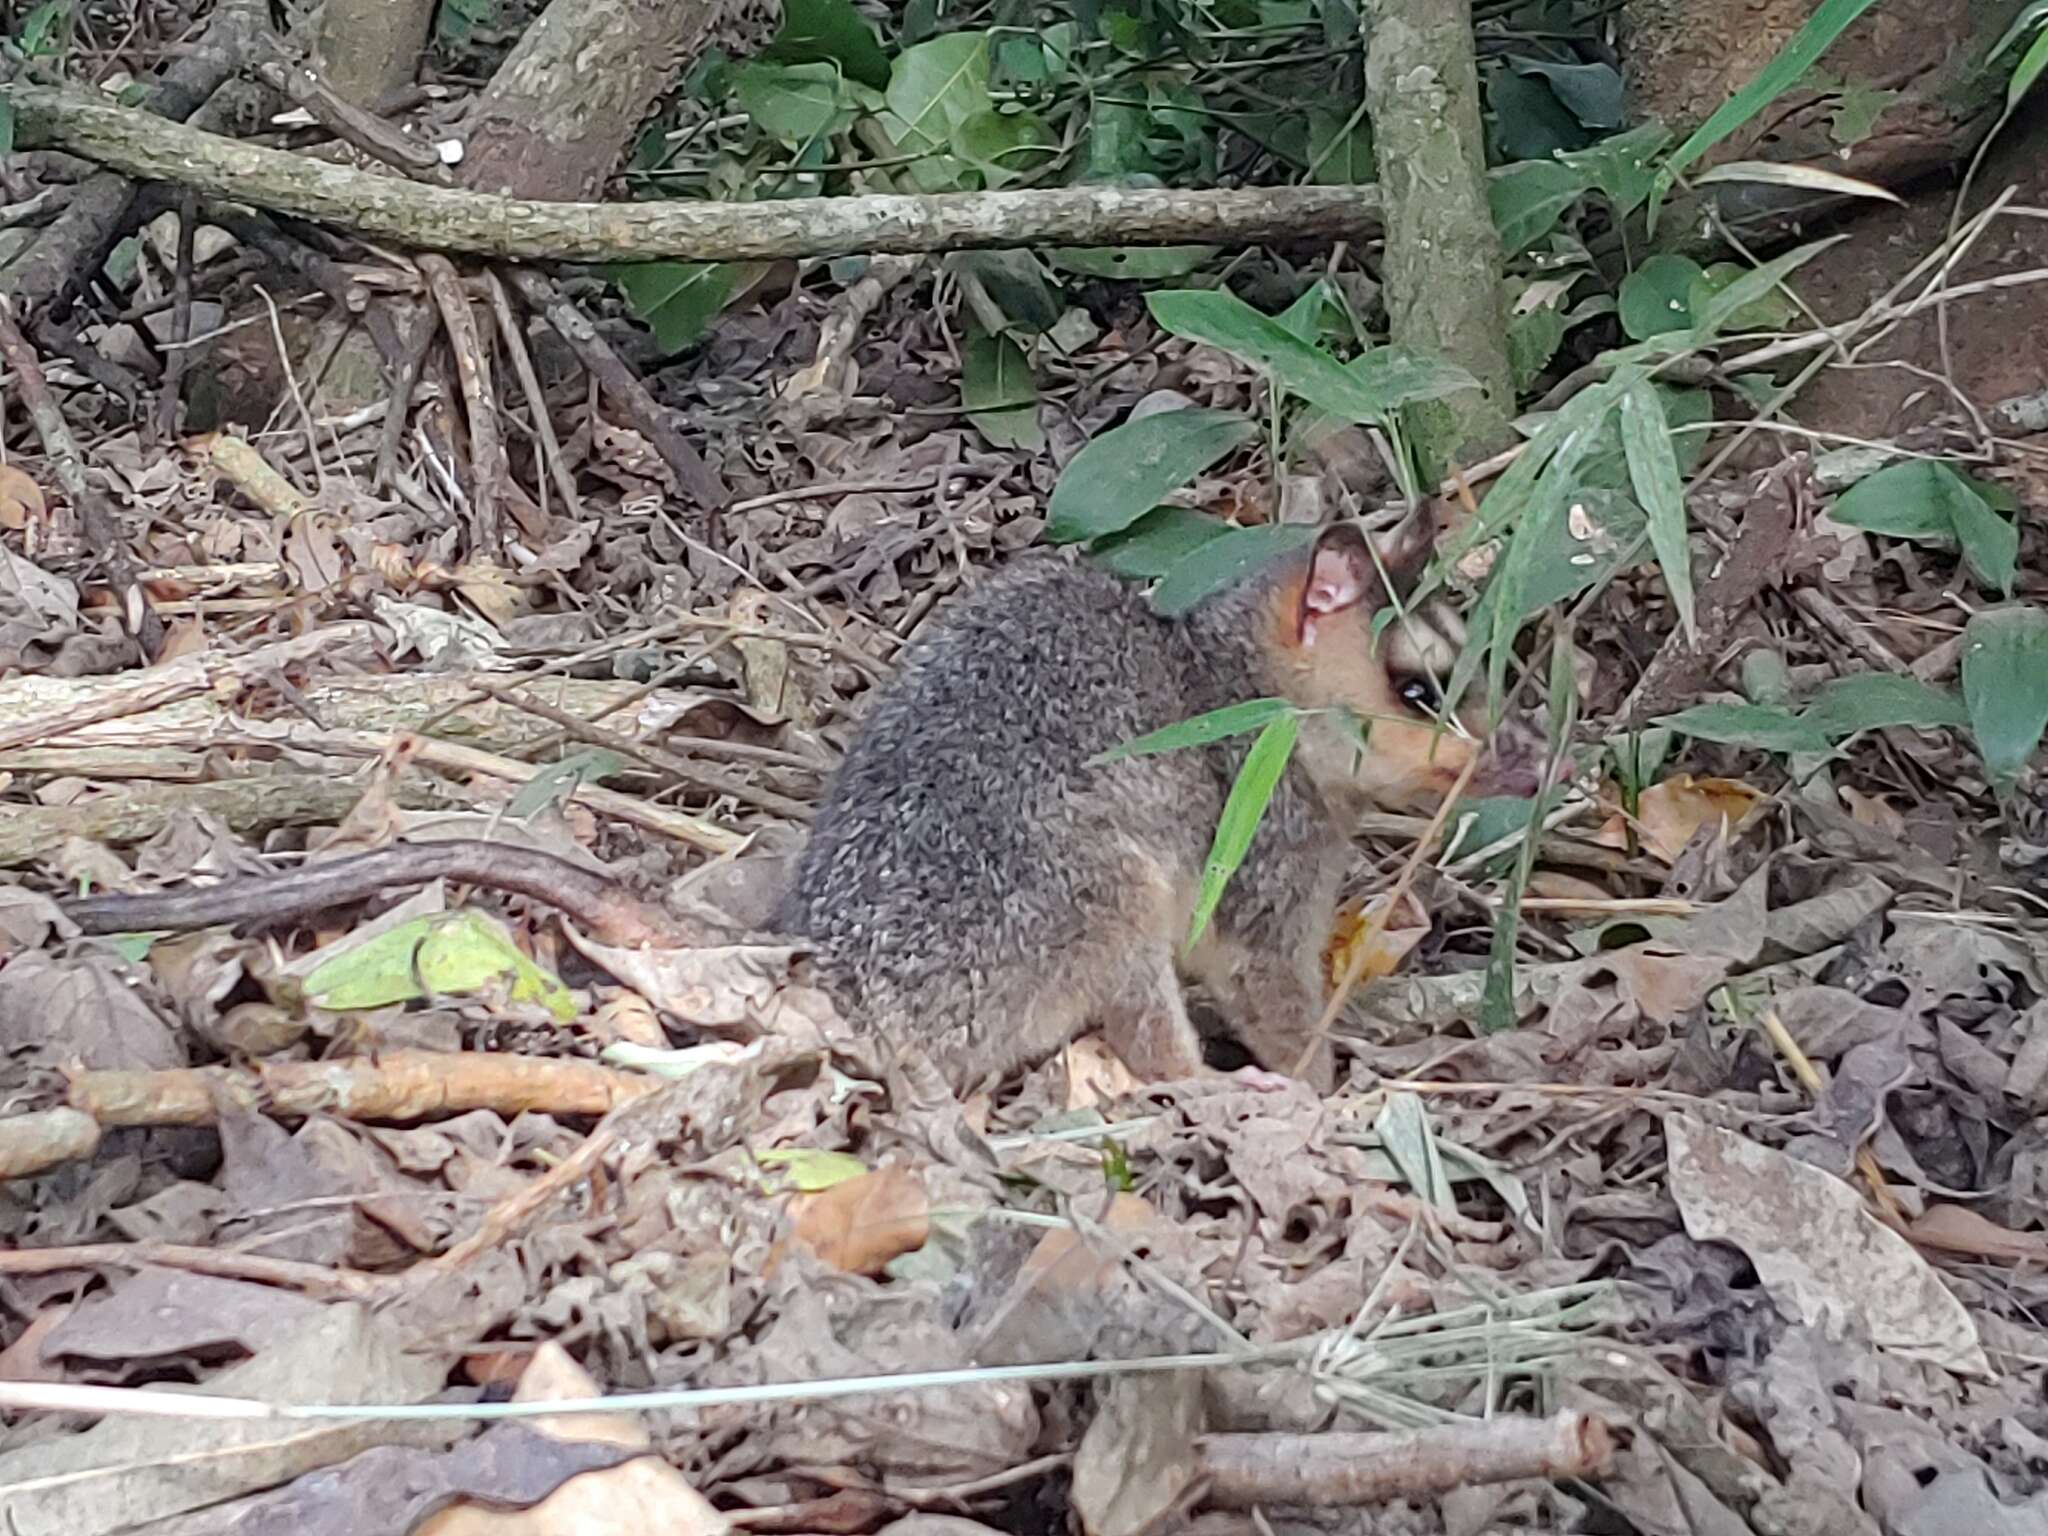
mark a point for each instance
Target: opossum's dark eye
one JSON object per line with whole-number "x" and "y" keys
{"x": 1420, "y": 693}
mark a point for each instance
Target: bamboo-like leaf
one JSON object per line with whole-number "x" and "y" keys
{"x": 1250, "y": 794}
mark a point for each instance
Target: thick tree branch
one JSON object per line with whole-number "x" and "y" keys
{"x": 446, "y": 219}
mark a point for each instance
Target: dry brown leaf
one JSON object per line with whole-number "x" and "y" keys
{"x": 860, "y": 1225}
{"x": 1669, "y": 814}
{"x": 1873, "y": 811}
{"x": 644, "y": 1494}
{"x": 1095, "y": 1074}
{"x": 630, "y": 1017}
{"x": 1554, "y": 885}
{"x": 1060, "y": 1296}
{"x": 21, "y": 499}
{"x": 1822, "y": 1256}
{"x": 1957, "y": 1229}
{"x": 1386, "y": 948}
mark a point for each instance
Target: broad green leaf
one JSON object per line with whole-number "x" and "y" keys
{"x": 1534, "y": 335}
{"x": 1129, "y": 470}
{"x": 1003, "y": 145}
{"x": 1773, "y": 311}
{"x": 1653, "y": 470}
{"x": 1340, "y": 148}
{"x": 1621, "y": 166}
{"x": 1156, "y": 542}
{"x": 1530, "y": 198}
{"x": 1303, "y": 319}
{"x": 796, "y": 103}
{"x": 1138, "y": 263}
{"x": 1592, "y": 93}
{"x": 1527, "y": 119}
{"x": 933, "y": 88}
{"x": 444, "y": 954}
{"x": 6, "y": 126}
{"x": 1874, "y": 700}
{"x": 1654, "y": 297}
{"x": 1224, "y": 561}
{"x": 814, "y": 31}
{"x": 1752, "y": 287}
{"x": 999, "y": 392}
{"x": 1201, "y": 730}
{"x": 677, "y": 300}
{"x": 1748, "y": 725}
{"x": 2005, "y": 686}
{"x": 1250, "y": 793}
{"x": 557, "y": 781}
{"x": 1829, "y": 19}
{"x": 1382, "y": 381}
{"x": 1927, "y": 500}
{"x": 1017, "y": 284}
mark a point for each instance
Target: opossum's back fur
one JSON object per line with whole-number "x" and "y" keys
{"x": 966, "y": 840}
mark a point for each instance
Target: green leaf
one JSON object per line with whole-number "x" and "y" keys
{"x": 1380, "y": 382}
{"x": 1127, "y": 471}
{"x": 2028, "y": 71}
{"x": 939, "y": 84}
{"x": 1533, "y": 339}
{"x": 1653, "y": 470}
{"x": 1017, "y": 284}
{"x": 446, "y": 954}
{"x": 1752, "y": 288}
{"x": 1156, "y": 542}
{"x": 1530, "y": 198}
{"x": 1340, "y": 148}
{"x": 1003, "y": 145}
{"x": 1874, "y": 700}
{"x": 1748, "y": 725}
{"x": 1928, "y": 501}
{"x": 1828, "y": 21}
{"x": 556, "y": 782}
{"x": 1621, "y": 166}
{"x": 999, "y": 392}
{"x": 1224, "y": 561}
{"x": 1201, "y": 730}
{"x": 6, "y": 126}
{"x": 1138, "y": 263}
{"x": 796, "y": 103}
{"x": 810, "y": 1169}
{"x": 1527, "y": 119}
{"x": 677, "y": 300}
{"x": 2005, "y": 686}
{"x": 1856, "y": 112}
{"x": 1655, "y": 296}
{"x": 817, "y": 31}
{"x": 1771, "y": 312}
{"x": 1592, "y": 93}
{"x": 1250, "y": 793}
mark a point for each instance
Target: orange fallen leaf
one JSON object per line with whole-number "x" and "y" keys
{"x": 860, "y": 1225}
{"x": 1388, "y": 946}
{"x": 1669, "y": 814}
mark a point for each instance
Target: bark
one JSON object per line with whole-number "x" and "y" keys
{"x": 1443, "y": 257}
{"x": 442, "y": 218}
{"x": 567, "y": 98}
{"x": 368, "y": 51}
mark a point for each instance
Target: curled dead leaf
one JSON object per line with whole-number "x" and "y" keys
{"x": 1384, "y": 947}
{"x": 21, "y": 499}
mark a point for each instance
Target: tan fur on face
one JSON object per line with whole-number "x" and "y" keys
{"x": 1333, "y": 659}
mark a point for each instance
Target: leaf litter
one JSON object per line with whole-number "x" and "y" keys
{"x": 615, "y": 1166}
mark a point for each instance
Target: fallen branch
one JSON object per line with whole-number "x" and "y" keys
{"x": 1353, "y": 1469}
{"x": 288, "y": 1274}
{"x": 396, "y": 1085}
{"x": 600, "y": 906}
{"x": 443, "y": 218}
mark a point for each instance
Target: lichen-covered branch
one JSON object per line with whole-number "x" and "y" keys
{"x": 443, "y": 218}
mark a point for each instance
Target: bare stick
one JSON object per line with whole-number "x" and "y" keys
{"x": 288, "y": 1274}
{"x": 529, "y": 381}
{"x": 1352, "y": 1469}
{"x": 486, "y": 449}
{"x": 601, "y": 906}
